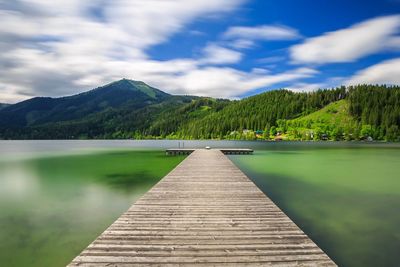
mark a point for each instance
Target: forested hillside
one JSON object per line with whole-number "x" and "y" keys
{"x": 259, "y": 113}
{"x": 41, "y": 110}
{"x": 352, "y": 113}
{"x": 130, "y": 109}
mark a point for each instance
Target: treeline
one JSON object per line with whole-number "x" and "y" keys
{"x": 168, "y": 123}
{"x": 153, "y": 121}
{"x": 370, "y": 112}
{"x": 344, "y": 113}
{"x": 377, "y": 108}
{"x": 259, "y": 113}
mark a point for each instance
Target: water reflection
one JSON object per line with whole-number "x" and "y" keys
{"x": 53, "y": 207}
{"x": 18, "y": 182}
{"x": 347, "y": 200}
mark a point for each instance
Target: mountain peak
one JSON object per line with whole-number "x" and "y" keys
{"x": 116, "y": 95}
{"x": 136, "y": 86}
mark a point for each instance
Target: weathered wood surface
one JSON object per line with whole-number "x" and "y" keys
{"x": 179, "y": 151}
{"x": 186, "y": 151}
{"x": 205, "y": 212}
{"x": 236, "y": 150}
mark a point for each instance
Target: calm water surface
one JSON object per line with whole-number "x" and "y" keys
{"x": 57, "y": 196}
{"x": 346, "y": 198}
{"x": 52, "y": 207}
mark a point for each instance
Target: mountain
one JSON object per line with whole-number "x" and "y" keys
{"x": 132, "y": 109}
{"x": 116, "y": 110}
{"x": 39, "y": 110}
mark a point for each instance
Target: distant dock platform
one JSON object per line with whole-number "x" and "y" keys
{"x": 187, "y": 151}
{"x": 205, "y": 212}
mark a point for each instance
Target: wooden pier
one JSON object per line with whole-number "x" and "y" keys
{"x": 187, "y": 151}
{"x": 205, "y": 212}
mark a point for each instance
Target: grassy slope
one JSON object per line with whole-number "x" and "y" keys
{"x": 335, "y": 115}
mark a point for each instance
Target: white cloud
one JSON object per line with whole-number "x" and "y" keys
{"x": 350, "y": 44}
{"x": 62, "y": 48}
{"x": 241, "y": 43}
{"x": 244, "y": 37}
{"x": 153, "y": 21}
{"x": 386, "y": 72}
{"x": 226, "y": 82}
{"x": 262, "y": 32}
{"x": 214, "y": 54}
{"x": 306, "y": 87}
{"x": 10, "y": 96}
{"x": 260, "y": 70}
{"x": 331, "y": 82}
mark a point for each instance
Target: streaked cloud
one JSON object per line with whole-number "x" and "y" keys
{"x": 242, "y": 37}
{"x": 227, "y": 82}
{"x": 152, "y": 21}
{"x": 347, "y": 45}
{"x": 56, "y": 48}
{"x": 241, "y": 43}
{"x": 386, "y": 72}
{"x": 61, "y": 48}
{"x": 330, "y": 82}
{"x": 215, "y": 54}
{"x": 262, "y": 32}
{"x": 306, "y": 87}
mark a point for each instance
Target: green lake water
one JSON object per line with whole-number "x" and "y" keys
{"x": 56, "y": 197}
{"x": 51, "y": 208}
{"x": 347, "y": 199}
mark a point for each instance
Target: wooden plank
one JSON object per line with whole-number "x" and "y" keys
{"x": 205, "y": 212}
{"x": 186, "y": 151}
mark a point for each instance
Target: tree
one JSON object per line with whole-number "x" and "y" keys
{"x": 366, "y": 130}
{"x": 392, "y": 133}
{"x": 273, "y": 131}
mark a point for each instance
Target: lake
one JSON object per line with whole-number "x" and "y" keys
{"x": 57, "y": 196}
{"x": 345, "y": 197}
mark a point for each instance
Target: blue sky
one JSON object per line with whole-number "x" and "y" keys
{"x": 219, "y": 48}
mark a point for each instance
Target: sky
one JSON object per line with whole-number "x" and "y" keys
{"x": 218, "y": 48}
